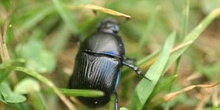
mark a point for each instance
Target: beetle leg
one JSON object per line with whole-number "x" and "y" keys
{"x": 130, "y": 60}
{"x": 116, "y": 101}
{"x": 135, "y": 68}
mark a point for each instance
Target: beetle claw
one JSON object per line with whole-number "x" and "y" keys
{"x": 136, "y": 69}
{"x": 145, "y": 77}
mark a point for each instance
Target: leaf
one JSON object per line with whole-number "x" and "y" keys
{"x": 4, "y": 74}
{"x": 163, "y": 85}
{"x": 38, "y": 59}
{"x": 45, "y": 81}
{"x": 8, "y": 96}
{"x": 14, "y": 98}
{"x": 27, "y": 85}
{"x": 146, "y": 87}
{"x": 123, "y": 108}
{"x": 2, "y": 98}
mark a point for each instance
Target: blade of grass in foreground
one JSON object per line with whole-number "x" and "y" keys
{"x": 145, "y": 87}
{"x": 84, "y": 93}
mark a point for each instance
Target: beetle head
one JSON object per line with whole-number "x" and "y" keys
{"x": 108, "y": 26}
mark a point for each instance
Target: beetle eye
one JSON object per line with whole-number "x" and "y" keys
{"x": 115, "y": 29}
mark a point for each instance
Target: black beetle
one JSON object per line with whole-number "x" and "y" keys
{"x": 98, "y": 64}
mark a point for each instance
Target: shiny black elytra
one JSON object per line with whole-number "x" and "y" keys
{"x": 98, "y": 64}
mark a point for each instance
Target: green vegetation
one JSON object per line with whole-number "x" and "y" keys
{"x": 175, "y": 43}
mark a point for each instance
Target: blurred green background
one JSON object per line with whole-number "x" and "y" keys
{"x": 45, "y": 34}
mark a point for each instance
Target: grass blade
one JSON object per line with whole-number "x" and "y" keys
{"x": 145, "y": 87}
{"x": 185, "y": 18}
{"x": 84, "y": 93}
{"x": 95, "y": 7}
{"x": 148, "y": 28}
{"x": 65, "y": 14}
{"x": 178, "y": 51}
{"x": 33, "y": 20}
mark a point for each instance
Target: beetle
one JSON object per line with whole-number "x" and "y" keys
{"x": 98, "y": 64}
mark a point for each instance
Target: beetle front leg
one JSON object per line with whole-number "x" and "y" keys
{"x": 116, "y": 101}
{"x": 135, "y": 68}
{"x": 130, "y": 60}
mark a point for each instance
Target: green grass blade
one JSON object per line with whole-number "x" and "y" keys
{"x": 84, "y": 93}
{"x": 38, "y": 101}
{"x": 58, "y": 43}
{"x": 146, "y": 87}
{"x": 33, "y": 20}
{"x": 148, "y": 31}
{"x": 65, "y": 15}
{"x": 164, "y": 85}
{"x": 185, "y": 18}
{"x": 4, "y": 72}
{"x": 178, "y": 51}
{"x": 184, "y": 29}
